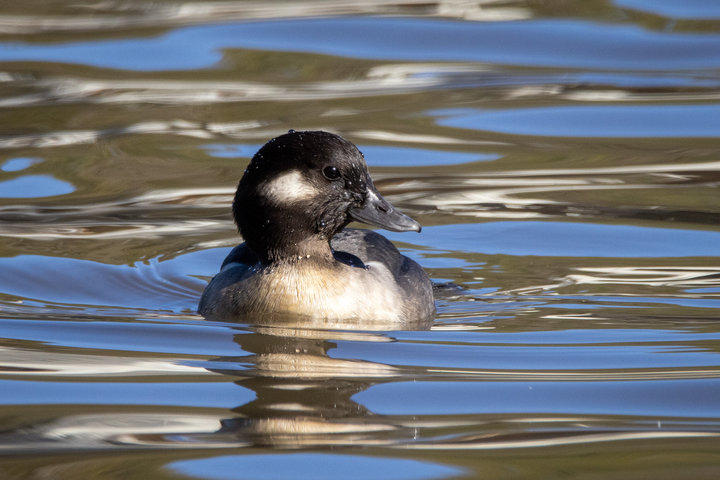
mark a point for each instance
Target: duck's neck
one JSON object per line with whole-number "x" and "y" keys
{"x": 315, "y": 248}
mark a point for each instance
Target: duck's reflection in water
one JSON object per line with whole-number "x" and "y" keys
{"x": 303, "y": 395}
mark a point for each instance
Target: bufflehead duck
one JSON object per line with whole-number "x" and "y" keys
{"x": 291, "y": 207}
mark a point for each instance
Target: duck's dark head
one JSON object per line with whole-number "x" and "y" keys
{"x": 302, "y": 188}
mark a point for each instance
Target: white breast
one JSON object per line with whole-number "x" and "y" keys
{"x": 337, "y": 293}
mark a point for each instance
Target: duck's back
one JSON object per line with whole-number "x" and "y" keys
{"x": 376, "y": 251}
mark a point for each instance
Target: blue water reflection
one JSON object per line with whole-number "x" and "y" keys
{"x": 383, "y": 156}
{"x": 18, "y": 163}
{"x": 153, "y": 285}
{"x": 380, "y": 156}
{"x": 544, "y": 357}
{"x": 551, "y": 43}
{"x": 193, "y": 339}
{"x": 220, "y": 394}
{"x": 318, "y": 466}
{"x": 34, "y": 186}
{"x": 689, "y": 398}
{"x": 570, "y": 239}
{"x": 231, "y": 150}
{"x": 686, "y": 9}
{"x": 633, "y": 121}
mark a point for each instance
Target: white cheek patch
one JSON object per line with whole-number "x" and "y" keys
{"x": 289, "y": 187}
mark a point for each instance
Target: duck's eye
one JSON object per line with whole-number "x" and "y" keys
{"x": 331, "y": 173}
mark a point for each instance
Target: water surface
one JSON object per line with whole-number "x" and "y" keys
{"x": 562, "y": 159}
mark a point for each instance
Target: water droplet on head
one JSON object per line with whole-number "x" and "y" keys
{"x": 291, "y": 131}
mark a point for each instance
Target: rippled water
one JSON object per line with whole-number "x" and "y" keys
{"x": 563, "y": 158}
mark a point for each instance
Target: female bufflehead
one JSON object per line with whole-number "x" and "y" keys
{"x": 296, "y": 196}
